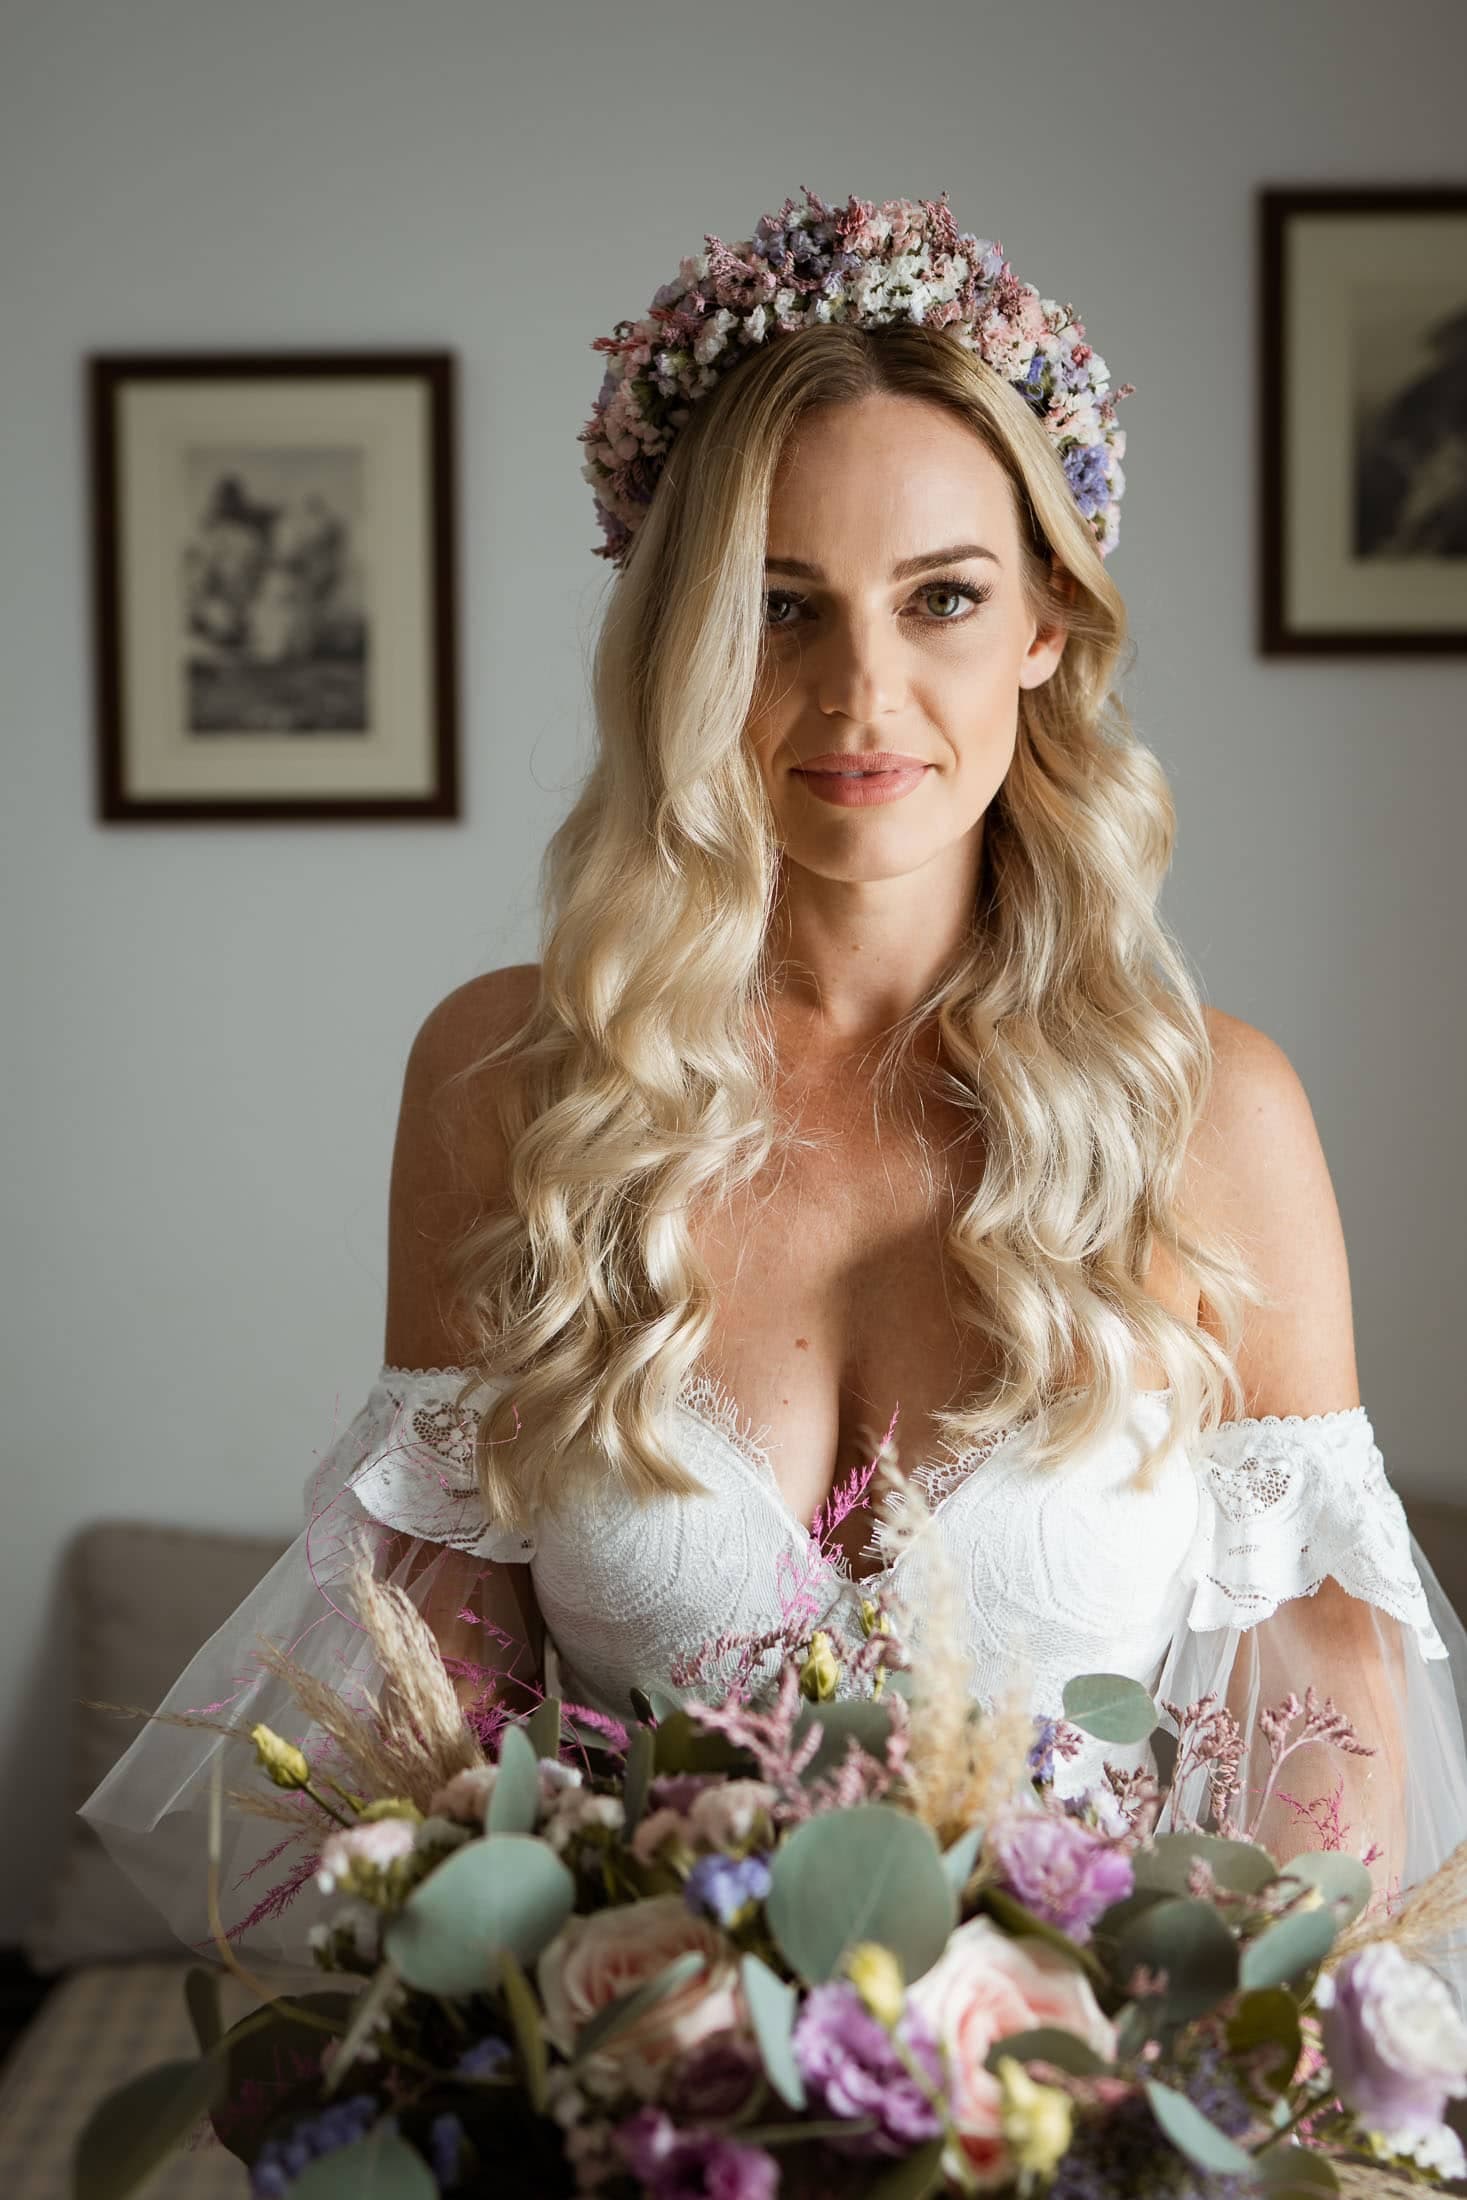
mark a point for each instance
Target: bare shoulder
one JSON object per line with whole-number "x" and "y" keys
{"x": 1256, "y": 1169}
{"x": 447, "y": 1159}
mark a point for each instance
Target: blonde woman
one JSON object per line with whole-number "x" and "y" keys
{"x": 860, "y": 1107}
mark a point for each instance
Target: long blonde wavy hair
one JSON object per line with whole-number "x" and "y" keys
{"x": 644, "y": 1079}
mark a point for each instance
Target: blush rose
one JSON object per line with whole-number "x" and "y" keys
{"x": 592, "y": 1960}
{"x": 983, "y": 1987}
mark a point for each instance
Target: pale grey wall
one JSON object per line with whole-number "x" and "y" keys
{"x": 206, "y": 1028}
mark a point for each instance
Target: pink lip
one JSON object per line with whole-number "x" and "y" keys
{"x": 861, "y": 760}
{"x": 861, "y": 794}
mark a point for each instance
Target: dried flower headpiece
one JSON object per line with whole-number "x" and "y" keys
{"x": 903, "y": 261}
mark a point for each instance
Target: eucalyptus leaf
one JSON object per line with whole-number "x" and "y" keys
{"x": 1341, "y": 1879}
{"x": 266, "y": 2054}
{"x": 1194, "y": 2135}
{"x": 509, "y": 1891}
{"x": 543, "y": 1727}
{"x": 627, "y": 2007}
{"x": 514, "y": 1799}
{"x": 1287, "y": 1950}
{"x": 1268, "y": 2017}
{"x": 772, "y": 2004}
{"x": 1190, "y": 1942}
{"x": 680, "y": 1745}
{"x": 914, "y": 2177}
{"x": 201, "y": 1996}
{"x": 380, "y": 2167}
{"x": 642, "y": 1705}
{"x": 665, "y": 1700}
{"x": 868, "y": 1718}
{"x": 1239, "y": 1866}
{"x": 640, "y": 1751}
{"x": 1294, "y": 2173}
{"x": 1111, "y": 1706}
{"x": 134, "y": 2129}
{"x": 959, "y": 1858}
{"x": 1047, "y": 2043}
{"x": 901, "y": 1679}
{"x": 529, "y": 2032}
{"x": 866, "y": 1873}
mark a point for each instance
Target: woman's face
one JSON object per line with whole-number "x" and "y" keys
{"x": 862, "y": 656}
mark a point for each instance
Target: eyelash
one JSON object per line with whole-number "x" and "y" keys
{"x": 976, "y": 595}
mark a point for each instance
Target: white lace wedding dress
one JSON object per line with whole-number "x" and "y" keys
{"x": 1215, "y": 1579}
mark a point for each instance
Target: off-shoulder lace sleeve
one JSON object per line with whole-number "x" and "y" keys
{"x": 397, "y": 1483}
{"x": 1292, "y": 1500}
{"x": 414, "y": 1471}
{"x": 1306, "y": 1574}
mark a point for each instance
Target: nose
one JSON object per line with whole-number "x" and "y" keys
{"x": 855, "y": 666}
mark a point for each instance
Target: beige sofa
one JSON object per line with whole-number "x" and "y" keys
{"x": 140, "y": 1600}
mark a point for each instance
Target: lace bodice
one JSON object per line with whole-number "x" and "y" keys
{"x": 1060, "y": 1571}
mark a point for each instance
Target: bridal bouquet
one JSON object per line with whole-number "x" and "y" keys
{"x": 838, "y": 1935}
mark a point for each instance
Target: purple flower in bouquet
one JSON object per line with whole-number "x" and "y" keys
{"x": 693, "y": 2165}
{"x": 723, "y": 1884}
{"x": 714, "y": 2079}
{"x": 851, "y": 2067}
{"x": 280, "y": 2161}
{"x": 445, "y": 2150}
{"x": 483, "y": 2058}
{"x": 1058, "y": 1868}
{"x": 1397, "y": 2045}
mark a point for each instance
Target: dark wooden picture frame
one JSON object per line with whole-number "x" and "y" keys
{"x": 1363, "y": 372}
{"x": 274, "y": 540}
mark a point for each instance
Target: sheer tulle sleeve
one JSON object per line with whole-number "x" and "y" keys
{"x": 1307, "y": 1575}
{"x": 399, "y": 1481}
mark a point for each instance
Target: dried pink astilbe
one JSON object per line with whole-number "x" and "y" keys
{"x": 1323, "y": 1814}
{"x": 1137, "y": 1795}
{"x": 1322, "y": 1724}
{"x": 1208, "y": 1736}
{"x": 769, "y": 1737}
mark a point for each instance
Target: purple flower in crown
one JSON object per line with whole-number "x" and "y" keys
{"x": 852, "y": 2069}
{"x": 903, "y": 261}
{"x": 1058, "y": 1868}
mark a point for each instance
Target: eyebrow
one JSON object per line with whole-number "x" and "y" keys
{"x": 924, "y": 563}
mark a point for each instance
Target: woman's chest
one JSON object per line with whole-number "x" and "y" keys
{"x": 839, "y": 1291}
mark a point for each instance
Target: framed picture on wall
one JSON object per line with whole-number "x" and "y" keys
{"x": 274, "y": 586}
{"x": 1364, "y": 426}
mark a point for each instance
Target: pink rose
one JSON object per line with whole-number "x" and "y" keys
{"x": 982, "y": 1987}
{"x": 594, "y": 1959}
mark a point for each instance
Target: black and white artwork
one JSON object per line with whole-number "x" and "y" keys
{"x": 1410, "y": 357}
{"x": 272, "y": 592}
{"x": 1363, "y": 316}
{"x": 274, "y": 561}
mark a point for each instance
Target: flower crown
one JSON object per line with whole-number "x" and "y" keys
{"x": 904, "y": 260}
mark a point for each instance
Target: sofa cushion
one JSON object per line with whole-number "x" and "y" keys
{"x": 140, "y": 1600}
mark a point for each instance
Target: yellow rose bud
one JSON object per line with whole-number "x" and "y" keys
{"x": 873, "y": 1620}
{"x": 394, "y": 1806}
{"x": 876, "y": 1975}
{"x": 1036, "y": 2120}
{"x": 285, "y": 1763}
{"x": 821, "y": 1670}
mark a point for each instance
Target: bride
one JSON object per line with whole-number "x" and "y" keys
{"x": 860, "y": 1104}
